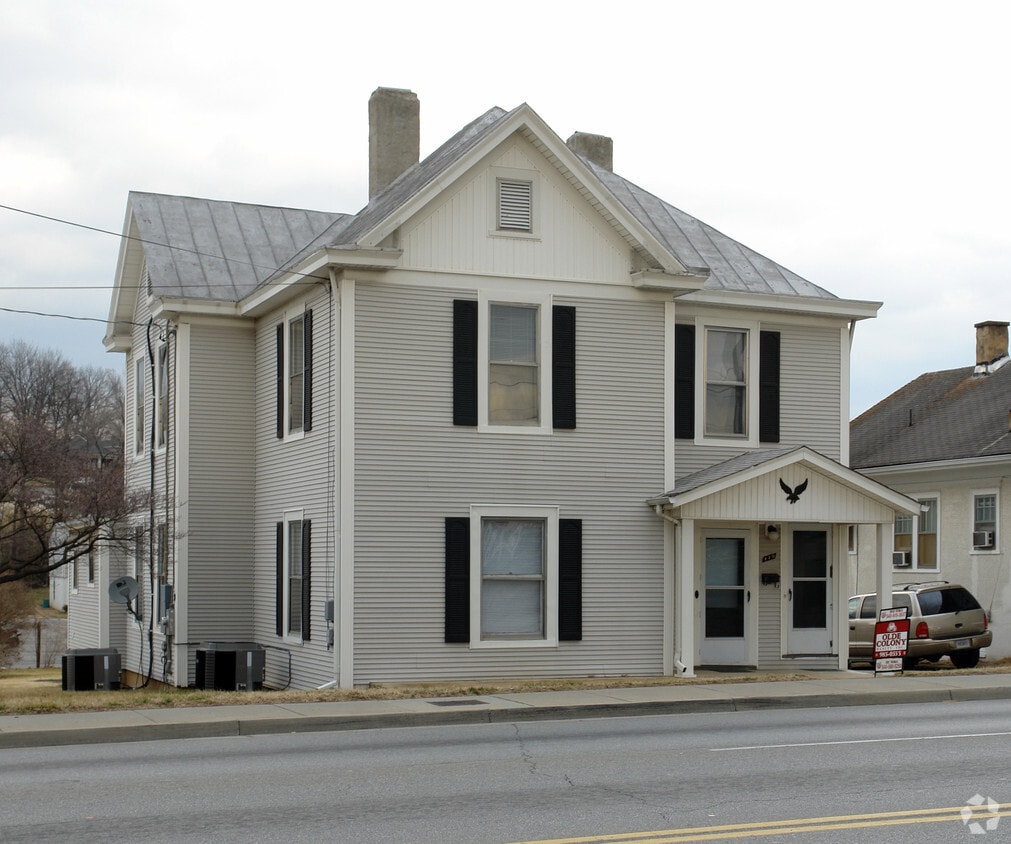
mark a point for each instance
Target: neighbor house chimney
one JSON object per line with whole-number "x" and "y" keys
{"x": 598, "y": 148}
{"x": 394, "y": 135}
{"x": 991, "y": 341}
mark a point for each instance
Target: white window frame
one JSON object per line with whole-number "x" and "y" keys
{"x": 161, "y": 382}
{"x": 751, "y": 330}
{"x": 853, "y": 539}
{"x": 497, "y": 176}
{"x": 138, "y": 406}
{"x": 550, "y": 516}
{"x": 915, "y": 532}
{"x": 162, "y": 555}
{"x": 973, "y": 495}
{"x": 542, "y": 303}
{"x": 290, "y": 318}
{"x": 291, "y": 517}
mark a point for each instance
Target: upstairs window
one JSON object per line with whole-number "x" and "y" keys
{"x": 514, "y": 365}
{"x": 138, "y": 406}
{"x": 294, "y": 375}
{"x": 726, "y": 384}
{"x": 513, "y": 382}
{"x": 161, "y": 382}
{"x": 726, "y": 405}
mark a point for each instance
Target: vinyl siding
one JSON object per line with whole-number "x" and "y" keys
{"x": 414, "y": 468}
{"x": 221, "y": 483}
{"x": 810, "y": 396}
{"x": 294, "y": 474}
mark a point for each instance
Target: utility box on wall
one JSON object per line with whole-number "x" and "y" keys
{"x": 90, "y": 669}
{"x": 230, "y": 666}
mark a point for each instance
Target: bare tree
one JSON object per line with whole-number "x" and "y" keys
{"x": 61, "y": 442}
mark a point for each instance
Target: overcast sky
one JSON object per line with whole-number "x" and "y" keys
{"x": 863, "y": 145}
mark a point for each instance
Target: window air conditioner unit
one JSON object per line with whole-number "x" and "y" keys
{"x": 902, "y": 560}
{"x": 230, "y": 666}
{"x": 90, "y": 669}
{"x": 982, "y": 539}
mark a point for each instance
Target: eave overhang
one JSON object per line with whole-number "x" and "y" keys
{"x": 678, "y": 284}
{"x": 848, "y": 309}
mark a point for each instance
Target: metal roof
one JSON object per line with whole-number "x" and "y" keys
{"x": 208, "y": 249}
{"x": 947, "y": 415}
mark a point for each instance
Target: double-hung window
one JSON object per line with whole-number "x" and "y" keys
{"x": 513, "y": 577}
{"x": 984, "y": 521}
{"x": 514, "y": 389}
{"x": 726, "y": 403}
{"x": 161, "y": 383}
{"x": 726, "y": 383}
{"x": 294, "y": 576}
{"x": 138, "y": 406}
{"x": 294, "y": 374}
{"x": 514, "y": 364}
{"x": 915, "y": 541}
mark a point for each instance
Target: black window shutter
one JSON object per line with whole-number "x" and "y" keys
{"x": 306, "y": 579}
{"x": 307, "y": 377}
{"x": 563, "y": 366}
{"x": 280, "y": 380}
{"x": 570, "y": 580}
{"x": 457, "y": 619}
{"x": 464, "y": 362}
{"x": 684, "y": 381}
{"x": 768, "y": 387}
{"x": 279, "y": 586}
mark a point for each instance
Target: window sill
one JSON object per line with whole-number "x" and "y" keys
{"x": 523, "y": 644}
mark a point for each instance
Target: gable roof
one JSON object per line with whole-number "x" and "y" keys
{"x": 751, "y": 465}
{"x": 215, "y": 251}
{"x": 946, "y": 415}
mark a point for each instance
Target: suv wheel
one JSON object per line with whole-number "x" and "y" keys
{"x": 965, "y": 659}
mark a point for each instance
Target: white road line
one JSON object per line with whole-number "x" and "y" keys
{"x": 855, "y": 741}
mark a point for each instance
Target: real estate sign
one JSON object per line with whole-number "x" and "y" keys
{"x": 891, "y": 639}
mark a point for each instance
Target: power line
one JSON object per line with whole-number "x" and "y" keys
{"x": 68, "y": 316}
{"x": 121, "y": 236}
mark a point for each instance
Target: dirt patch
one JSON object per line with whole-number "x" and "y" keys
{"x": 27, "y": 691}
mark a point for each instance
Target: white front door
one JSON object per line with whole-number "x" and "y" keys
{"x": 723, "y": 599}
{"x": 809, "y": 596}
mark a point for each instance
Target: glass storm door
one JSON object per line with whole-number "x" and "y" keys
{"x": 810, "y": 594}
{"x": 724, "y": 597}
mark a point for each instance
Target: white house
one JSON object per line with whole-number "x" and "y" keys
{"x": 517, "y": 417}
{"x": 944, "y": 439}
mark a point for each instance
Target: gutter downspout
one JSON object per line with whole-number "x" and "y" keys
{"x": 679, "y": 665}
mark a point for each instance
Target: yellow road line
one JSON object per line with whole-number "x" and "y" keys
{"x": 742, "y": 830}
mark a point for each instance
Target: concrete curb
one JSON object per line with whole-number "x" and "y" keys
{"x": 216, "y": 722}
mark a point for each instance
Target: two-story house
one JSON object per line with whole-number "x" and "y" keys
{"x": 515, "y": 418}
{"x": 944, "y": 439}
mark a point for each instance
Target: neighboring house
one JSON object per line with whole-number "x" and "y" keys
{"x": 516, "y": 418}
{"x": 945, "y": 440}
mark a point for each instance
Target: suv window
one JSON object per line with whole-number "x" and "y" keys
{"x": 870, "y": 607}
{"x": 953, "y": 599}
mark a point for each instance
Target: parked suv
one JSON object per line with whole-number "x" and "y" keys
{"x": 944, "y": 618}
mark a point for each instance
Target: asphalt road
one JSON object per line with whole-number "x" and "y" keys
{"x": 531, "y": 781}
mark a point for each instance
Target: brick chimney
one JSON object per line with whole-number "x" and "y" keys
{"x": 394, "y": 135}
{"x": 991, "y": 342}
{"x": 598, "y": 148}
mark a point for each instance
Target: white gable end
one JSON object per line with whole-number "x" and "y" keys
{"x": 569, "y": 239}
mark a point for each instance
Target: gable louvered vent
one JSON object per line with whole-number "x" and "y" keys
{"x": 515, "y": 205}
{"x": 145, "y": 279}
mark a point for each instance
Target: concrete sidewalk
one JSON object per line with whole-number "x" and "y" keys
{"x": 822, "y": 689}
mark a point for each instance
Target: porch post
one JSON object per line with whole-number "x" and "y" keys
{"x": 684, "y": 573}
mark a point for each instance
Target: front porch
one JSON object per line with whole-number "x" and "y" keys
{"x": 757, "y": 559}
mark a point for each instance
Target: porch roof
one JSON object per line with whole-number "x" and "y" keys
{"x": 787, "y": 483}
